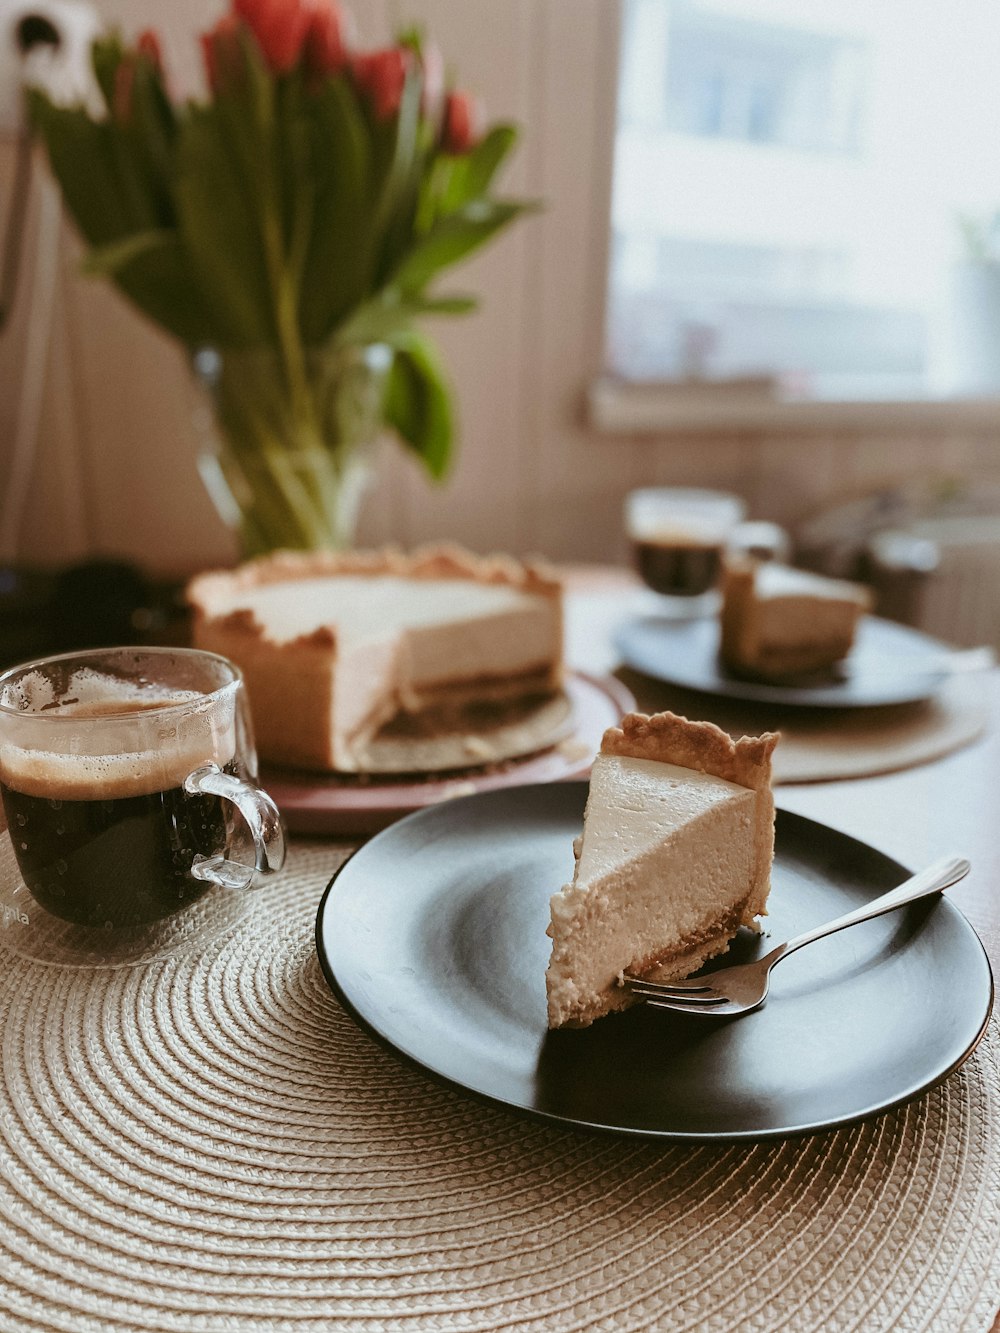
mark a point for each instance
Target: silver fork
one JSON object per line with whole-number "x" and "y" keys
{"x": 738, "y": 989}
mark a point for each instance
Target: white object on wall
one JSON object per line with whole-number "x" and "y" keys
{"x": 44, "y": 44}
{"x": 972, "y": 341}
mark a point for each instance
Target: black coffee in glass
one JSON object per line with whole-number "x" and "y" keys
{"x": 99, "y": 841}
{"x": 113, "y": 861}
{"x": 679, "y": 536}
{"x": 678, "y": 565}
{"x": 128, "y": 782}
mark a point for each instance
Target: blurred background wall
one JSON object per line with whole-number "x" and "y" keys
{"x": 118, "y": 438}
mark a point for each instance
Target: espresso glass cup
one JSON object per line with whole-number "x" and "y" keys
{"x": 129, "y": 786}
{"x": 678, "y": 536}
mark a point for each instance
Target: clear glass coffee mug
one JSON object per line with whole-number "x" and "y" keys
{"x": 129, "y": 784}
{"x": 678, "y": 536}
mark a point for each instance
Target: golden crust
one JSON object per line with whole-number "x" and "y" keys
{"x": 242, "y": 624}
{"x": 212, "y": 595}
{"x": 670, "y": 739}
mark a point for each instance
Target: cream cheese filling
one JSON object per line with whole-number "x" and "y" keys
{"x": 665, "y": 852}
{"x": 635, "y": 803}
{"x": 443, "y": 628}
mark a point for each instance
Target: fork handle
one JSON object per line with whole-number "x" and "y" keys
{"x": 922, "y": 885}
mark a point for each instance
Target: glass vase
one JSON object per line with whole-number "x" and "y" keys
{"x": 291, "y": 457}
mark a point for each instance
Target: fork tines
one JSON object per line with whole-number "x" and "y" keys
{"x": 695, "y": 991}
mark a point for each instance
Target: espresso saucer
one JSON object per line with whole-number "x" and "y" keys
{"x": 29, "y": 931}
{"x": 683, "y": 610}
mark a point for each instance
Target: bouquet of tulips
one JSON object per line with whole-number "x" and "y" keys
{"x": 307, "y": 204}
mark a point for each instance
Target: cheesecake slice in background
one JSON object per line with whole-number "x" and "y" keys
{"x": 778, "y": 622}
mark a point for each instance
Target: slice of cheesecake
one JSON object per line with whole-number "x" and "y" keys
{"x": 333, "y": 647}
{"x": 675, "y": 855}
{"x": 779, "y": 622}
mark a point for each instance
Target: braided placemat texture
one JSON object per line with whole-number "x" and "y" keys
{"x": 209, "y": 1144}
{"x": 817, "y": 744}
{"x": 828, "y": 745}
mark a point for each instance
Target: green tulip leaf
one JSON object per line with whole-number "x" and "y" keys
{"x": 391, "y": 320}
{"x": 83, "y": 160}
{"x": 418, "y": 403}
{"x": 451, "y": 239}
{"x": 400, "y": 161}
{"x": 375, "y": 320}
{"x": 442, "y": 305}
{"x": 108, "y": 260}
{"x": 149, "y": 137}
{"x": 160, "y": 282}
{"x": 338, "y": 261}
{"x": 105, "y": 57}
{"x": 471, "y": 175}
{"x": 222, "y": 216}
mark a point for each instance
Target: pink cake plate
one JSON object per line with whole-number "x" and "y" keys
{"x": 349, "y": 807}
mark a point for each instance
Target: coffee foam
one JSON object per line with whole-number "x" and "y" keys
{"x": 87, "y": 689}
{"x": 163, "y": 755}
{"x": 93, "y": 777}
{"x": 689, "y": 535}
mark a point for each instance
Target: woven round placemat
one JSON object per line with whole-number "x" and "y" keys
{"x": 209, "y": 1144}
{"x": 828, "y": 745}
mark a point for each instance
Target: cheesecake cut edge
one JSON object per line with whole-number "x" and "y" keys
{"x": 746, "y": 652}
{"x": 307, "y": 736}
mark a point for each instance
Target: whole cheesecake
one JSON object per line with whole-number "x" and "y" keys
{"x": 334, "y": 646}
{"x": 779, "y": 622}
{"x": 675, "y": 855}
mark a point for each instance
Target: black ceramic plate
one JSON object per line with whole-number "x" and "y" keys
{"x": 889, "y": 664}
{"x": 433, "y": 937}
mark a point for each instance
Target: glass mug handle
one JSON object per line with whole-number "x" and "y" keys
{"x": 263, "y": 821}
{"x": 764, "y": 541}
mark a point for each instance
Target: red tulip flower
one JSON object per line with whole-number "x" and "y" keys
{"x": 148, "y": 45}
{"x": 280, "y": 27}
{"x": 147, "y": 48}
{"x": 381, "y": 76}
{"x": 325, "y": 49}
{"x": 460, "y": 128}
{"x": 223, "y": 53}
{"x": 121, "y": 97}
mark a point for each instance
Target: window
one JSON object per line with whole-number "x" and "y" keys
{"x": 741, "y": 79}
{"x": 793, "y": 183}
